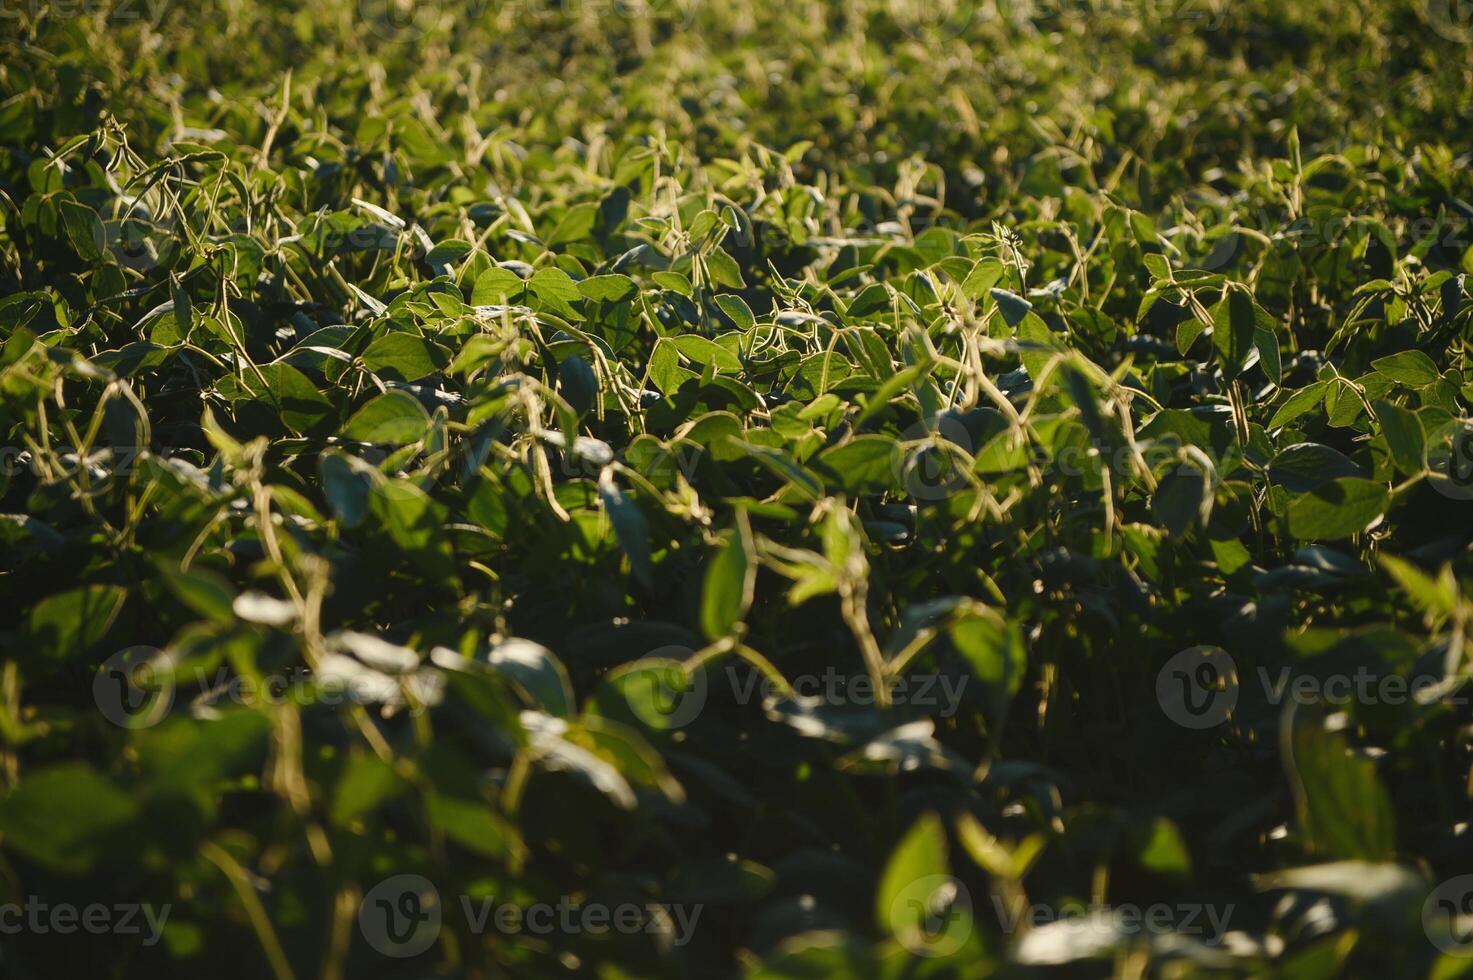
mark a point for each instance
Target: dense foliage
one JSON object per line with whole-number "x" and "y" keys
{"x": 915, "y": 486}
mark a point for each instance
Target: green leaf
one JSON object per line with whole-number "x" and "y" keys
{"x": 892, "y": 386}
{"x": 1303, "y": 400}
{"x": 665, "y": 370}
{"x": 575, "y": 225}
{"x": 393, "y": 418}
{"x": 1043, "y": 344}
{"x": 416, "y": 524}
{"x": 1305, "y": 465}
{"x": 367, "y": 782}
{"x": 1342, "y": 808}
{"x": 994, "y": 649}
{"x": 918, "y": 901}
{"x": 653, "y": 692}
{"x": 737, "y": 309}
{"x": 64, "y": 626}
{"x": 347, "y": 482}
{"x": 135, "y": 358}
{"x": 1337, "y": 509}
{"x": 400, "y": 356}
{"x": 556, "y": 288}
{"x": 731, "y": 575}
{"x": 1411, "y": 367}
{"x": 703, "y": 352}
{"x": 1233, "y": 329}
{"x": 607, "y": 289}
{"x": 1187, "y": 333}
{"x": 66, "y": 817}
{"x": 472, "y": 824}
{"x": 630, "y": 527}
{"x": 872, "y": 299}
{"x": 1163, "y": 851}
{"x": 1266, "y": 341}
{"x": 479, "y": 351}
{"x": 84, "y": 229}
{"x": 865, "y": 464}
{"x": 577, "y": 383}
{"x": 296, "y": 400}
{"x": 537, "y": 672}
{"x": 1183, "y": 500}
{"x": 1438, "y": 596}
{"x": 1012, "y": 306}
{"x": 988, "y": 272}
{"x": 675, "y": 282}
{"x": 724, "y": 269}
{"x": 1404, "y": 437}
{"x": 206, "y": 593}
{"x": 447, "y": 252}
{"x": 495, "y": 285}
